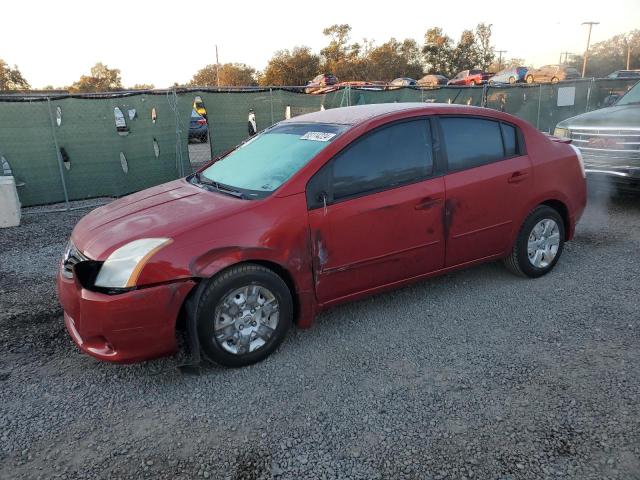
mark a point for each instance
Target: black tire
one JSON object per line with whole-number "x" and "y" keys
{"x": 223, "y": 284}
{"x": 529, "y": 79}
{"x": 472, "y": 83}
{"x": 554, "y": 80}
{"x": 518, "y": 261}
{"x": 512, "y": 80}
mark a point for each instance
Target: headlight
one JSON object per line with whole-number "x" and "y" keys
{"x": 561, "y": 132}
{"x": 123, "y": 267}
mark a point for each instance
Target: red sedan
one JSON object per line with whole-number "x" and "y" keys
{"x": 470, "y": 78}
{"x": 315, "y": 211}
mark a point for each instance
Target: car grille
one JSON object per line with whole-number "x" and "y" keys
{"x": 72, "y": 257}
{"x": 608, "y": 148}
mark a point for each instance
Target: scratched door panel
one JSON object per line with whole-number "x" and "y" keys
{"x": 483, "y": 207}
{"x": 377, "y": 239}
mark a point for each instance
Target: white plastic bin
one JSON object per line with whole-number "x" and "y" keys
{"x": 9, "y": 202}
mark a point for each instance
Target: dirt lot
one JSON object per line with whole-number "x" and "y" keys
{"x": 476, "y": 374}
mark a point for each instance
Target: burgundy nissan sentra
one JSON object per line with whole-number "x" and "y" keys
{"x": 317, "y": 210}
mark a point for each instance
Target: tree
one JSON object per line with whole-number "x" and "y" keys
{"x": 394, "y": 59}
{"x": 611, "y": 55}
{"x": 438, "y": 52}
{"x": 346, "y": 61}
{"x": 291, "y": 67}
{"x": 102, "y": 79}
{"x": 466, "y": 55}
{"x": 143, "y": 86}
{"x": 230, "y": 75}
{"x": 485, "y": 51}
{"x": 11, "y": 78}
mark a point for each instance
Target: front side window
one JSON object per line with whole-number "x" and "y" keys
{"x": 471, "y": 142}
{"x": 391, "y": 156}
{"x": 262, "y": 164}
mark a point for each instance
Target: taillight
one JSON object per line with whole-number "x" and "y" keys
{"x": 201, "y": 121}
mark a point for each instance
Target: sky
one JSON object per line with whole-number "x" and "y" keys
{"x": 162, "y": 42}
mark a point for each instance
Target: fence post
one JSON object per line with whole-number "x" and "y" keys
{"x": 586, "y": 107}
{"x": 176, "y": 116}
{"x": 271, "y": 101}
{"x": 539, "y": 100}
{"x": 483, "y": 102}
{"x": 58, "y": 155}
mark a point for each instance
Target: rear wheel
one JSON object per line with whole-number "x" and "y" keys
{"x": 243, "y": 315}
{"x": 472, "y": 83}
{"x": 539, "y": 244}
{"x": 554, "y": 80}
{"x": 512, "y": 80}
{"x": 529, "y": 79}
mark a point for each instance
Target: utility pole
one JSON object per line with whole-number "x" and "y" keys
{"x": 217, "y": 67}
{"x": 628, "y": 42}
{"x": 586, "y": 52}
{"x": 500, "y": 52}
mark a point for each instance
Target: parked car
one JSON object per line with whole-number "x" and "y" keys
{"x": 198, "y": 128}
{"x": 510, "y": 75}
{"x": 354, "y": 84}
{"x": 321, "y": 81}
{"x": 551, "y": 73}
{"x": 320, "y": 209}
{"x": 609, "y": 140}
{"x": 432, "y": 80}
{"x": 403, "y": 82}
{"x": 470, "y": 77}
{"x": 625, "y": 74}
{"x": 198, "y": 106}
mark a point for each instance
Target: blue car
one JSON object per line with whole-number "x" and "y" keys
{"x": 510, "y": 75}
{"x": 198, "y": 128}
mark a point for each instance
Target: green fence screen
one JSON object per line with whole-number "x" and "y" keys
{"x": 69, "y": 147}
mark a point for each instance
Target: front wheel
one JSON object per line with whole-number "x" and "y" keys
{"x": 539, "y": 243}
{"x": 554, "y": 80}
{"x": 512, "y": 80}
{"x": 529, "y": 79}
{"x": 472, "y": 83}
{"x": 243, "y": 315}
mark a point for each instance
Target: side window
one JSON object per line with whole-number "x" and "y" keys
{"x": 394, "y": 155}
{"x": 471, "y": 142}
{"x": 510, "y": 140}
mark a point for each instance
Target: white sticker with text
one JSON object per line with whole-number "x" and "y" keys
{"x": 318, "y": 136}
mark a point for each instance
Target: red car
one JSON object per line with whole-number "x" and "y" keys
{"x": 315, "y": 211}
{"x": 470, "y": 78}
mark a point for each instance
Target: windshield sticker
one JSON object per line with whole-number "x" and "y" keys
{"x": 318, "y": 136}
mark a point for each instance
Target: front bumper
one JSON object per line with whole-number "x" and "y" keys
{"x": 127, "y": 327}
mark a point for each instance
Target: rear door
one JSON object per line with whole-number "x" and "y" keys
{"x": 375, "y": 212}
{"x": 487, "y": 186}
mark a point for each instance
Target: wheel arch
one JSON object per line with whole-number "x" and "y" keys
{"x": 563, "y": 211}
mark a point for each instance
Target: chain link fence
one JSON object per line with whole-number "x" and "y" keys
{"x": 72, "y": 147}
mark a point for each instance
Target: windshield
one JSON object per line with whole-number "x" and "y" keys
{"x": 262, "y": 164}
{"x": 632, "y": 96}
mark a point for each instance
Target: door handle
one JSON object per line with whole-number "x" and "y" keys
{"x": 518, "y": 177}
{"x": 427, "y": 203}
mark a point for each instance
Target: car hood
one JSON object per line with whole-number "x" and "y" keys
{"x": 166, "y": 210}
{"x": 622, "y": 117}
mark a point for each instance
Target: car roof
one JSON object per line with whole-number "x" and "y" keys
{"x": 362, "y": 113}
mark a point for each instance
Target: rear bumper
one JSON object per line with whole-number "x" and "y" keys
{"x": 124, "y": 328}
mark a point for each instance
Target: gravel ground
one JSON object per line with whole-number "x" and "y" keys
{"x": 476, "y": 374}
